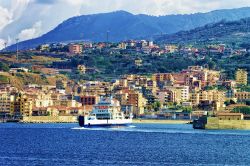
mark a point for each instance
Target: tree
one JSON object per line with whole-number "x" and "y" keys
{"x": 227, "y": 103}
{"x": 187, "y": 109}
{"x": 245, "y": 110}
{"x": 4, "y": 67}
{"x": 156, "y": 106}
{"x": 232, "y": 102}
{"x": 248, "y": 102}
{"x": 211, "y": 65}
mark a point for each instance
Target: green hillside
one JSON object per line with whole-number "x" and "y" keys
{"x": 233, "y": 32}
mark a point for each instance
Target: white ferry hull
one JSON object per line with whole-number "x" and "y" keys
{"x": 85, "y": 122}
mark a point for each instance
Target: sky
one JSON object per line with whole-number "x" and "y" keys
{"x": 27, "y": 19}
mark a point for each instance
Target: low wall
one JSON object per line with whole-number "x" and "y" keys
{"x": 215, "y": 123}
{"x": 163, "y": 121}
{"x": 49, "y": 119}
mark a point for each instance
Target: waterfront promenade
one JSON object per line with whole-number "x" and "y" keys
{"x": 73, "y": 119}
{"x": 161, "y": 121}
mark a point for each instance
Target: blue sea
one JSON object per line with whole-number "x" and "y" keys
{"x": 138, "y": 144}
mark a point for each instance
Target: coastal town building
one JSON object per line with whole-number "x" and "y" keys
{"x": 6, "y": 103}
{"x": 194, "y": 89}
{"x": 242, "y": 96}
{"x": 166, "y": 96}
{"x": 136, "y": 99}
{"x": 88, "y": 100}
{"x": 75, "y": 49}
{"x": 182, "y": 92}
{"x": 241, "y": 77}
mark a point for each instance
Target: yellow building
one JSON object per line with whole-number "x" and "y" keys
{"x": 136, "y": 99}
{"x": 182, "y": 92}
{"x": 171, "y": 48}
{"x": 241, "y": 77}
{"x": 195, "y": 98}
{"x": 41, "y": 99}
{"x": 6, "y": 103}
{"x": 218, "y": 97}
{"x": 163, "y": 77}
{"x": 26, "y": 105}
{"x": 214, "y": 96}
{"x": 242, "y": 96}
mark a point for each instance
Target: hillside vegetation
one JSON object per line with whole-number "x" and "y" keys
{"x": 232, "y": 32}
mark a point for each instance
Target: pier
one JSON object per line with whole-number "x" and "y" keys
{"x": 9, "y": 118}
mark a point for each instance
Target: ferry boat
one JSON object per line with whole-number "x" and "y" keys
{"x": 106, "y": 113}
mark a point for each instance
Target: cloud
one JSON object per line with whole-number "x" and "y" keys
{"x": 32, "y": 32}
{"x": 2, "y": 44}
{"x": 156, "y": 7}
{"x": 6, "y": 17}
{"x": 14, "y": 12}
{"x": 47, "y": 1}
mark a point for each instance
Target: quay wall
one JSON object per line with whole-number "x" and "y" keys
{"x": 49, "y": 119}
{"x": 214, "y": 123}
{"x": 73, "y": 119}
{"x": 161, "y": 121}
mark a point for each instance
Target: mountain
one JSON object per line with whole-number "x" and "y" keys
{"x": 227, "y": 32}
{"x": 122, "y": 25}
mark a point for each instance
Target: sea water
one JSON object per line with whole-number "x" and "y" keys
{"x": 138, "y": 144}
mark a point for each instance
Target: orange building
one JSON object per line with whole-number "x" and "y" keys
{"x": 136, "y": 99}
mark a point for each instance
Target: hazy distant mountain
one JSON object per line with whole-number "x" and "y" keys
{"x": 123, "y": 25}
{"x": 228, "y": 32}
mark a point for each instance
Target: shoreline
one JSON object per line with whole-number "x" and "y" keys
{"x": 73, "y": 120}
{"x": 161, "y": 121}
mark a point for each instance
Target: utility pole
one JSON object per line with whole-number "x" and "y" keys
{"x": 108, "y": 36}
{"x": 17, "y": 40}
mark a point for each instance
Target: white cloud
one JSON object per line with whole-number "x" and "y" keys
{"x": 6, "y": 17}
{"x": 32, "y": 32}
{"x": 156, "y": 7}
{"x": 14, "y": 12}
{"x": 2, "y": 44}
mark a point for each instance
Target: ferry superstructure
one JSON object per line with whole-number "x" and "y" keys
{"x": 107, "y": 112}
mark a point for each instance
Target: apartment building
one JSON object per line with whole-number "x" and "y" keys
{"x": 75, "y": 49}
{"x": 7, "y": 101}
{"x": 241, "y": 77}
{"x": 182, "y": 92}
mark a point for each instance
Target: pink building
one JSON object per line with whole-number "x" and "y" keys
{"x": 75, "y": 49}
